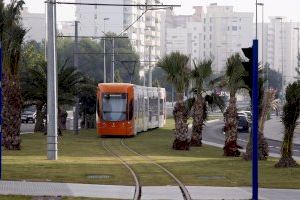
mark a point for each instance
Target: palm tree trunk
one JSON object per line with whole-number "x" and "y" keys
{"x": 231, "y": 148}
{"x": 263, "y": 147}
{"x": 39, "y": 125}
{"x": 286, "y": 159}
{"x": 181, "y": 141}
{"x": 12, "y": 108}
{"x": 196, "y": 139}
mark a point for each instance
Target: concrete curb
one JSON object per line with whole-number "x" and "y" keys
{"x": 274, "y": 155}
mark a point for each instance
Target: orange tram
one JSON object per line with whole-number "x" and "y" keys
{"x": 125, "y": 109}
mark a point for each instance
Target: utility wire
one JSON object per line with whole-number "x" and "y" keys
{"x": 128, "y": 27}
{"x": 110, "y": 4}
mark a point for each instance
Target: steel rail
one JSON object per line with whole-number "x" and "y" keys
{"x": 137, "y": 192}
{"x": 184, "y": 190}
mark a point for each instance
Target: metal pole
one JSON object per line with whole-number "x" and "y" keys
{"x": 282, "y": 42}
{"x": 104, "y": 61}
{"x": 51, "y": 83}
{"x": 298, "y": 56}
{"x": 262, "y": 43}
{"x": 76, "y": 110}
{"x": 256, "y": 20}
{"x": 0, "y": 111}
{"x": 172, "y": 96}
{"x": 255, "y": 120}
{"x": 113, "y": 60}
{"x": 150, "y": 70}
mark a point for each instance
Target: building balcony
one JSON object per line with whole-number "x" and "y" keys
{"x": 150, "y": 42}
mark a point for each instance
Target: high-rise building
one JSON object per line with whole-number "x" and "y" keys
{"x": 216, "y": 34}
{"x": 143, "y": 30}
{"x": 280, "y": 46}
{"x": 35, "y": 24}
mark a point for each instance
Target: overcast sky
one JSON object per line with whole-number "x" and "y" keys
{"x": 288, "y": 8}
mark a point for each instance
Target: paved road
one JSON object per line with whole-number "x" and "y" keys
{"x": 213, "y": 133}
{"x": 27, "y": 128}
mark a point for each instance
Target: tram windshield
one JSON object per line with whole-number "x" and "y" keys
{"x": 114, "y": 107}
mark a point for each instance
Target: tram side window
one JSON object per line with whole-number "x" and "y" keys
{"x": 161, "y": 106}
{"x": 153, "y": 108}
{"x": 130, "y": 110}
{"x": 114, "y": 107}
{"x": 98, "y": 108}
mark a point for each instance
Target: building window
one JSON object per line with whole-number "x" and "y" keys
{"x": 234, "y": 28}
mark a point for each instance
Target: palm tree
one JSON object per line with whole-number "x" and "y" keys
{"x": 11, "y": 36}
{"x": 34, "y": 89}
{"x": 201, "y": 72}
{"x": 291, "y": 112}
{"x": 234, "y": 80}
{"x": 175, "y": 66}
{"x": 265, "y": 99}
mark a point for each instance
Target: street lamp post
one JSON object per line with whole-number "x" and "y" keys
{"x": 282, "y": 80}
{"x": 51, "y": 82}
{"x": 104, "y": 53}
{"x": 298, "y": 43}
{"x": 262, "y": 44}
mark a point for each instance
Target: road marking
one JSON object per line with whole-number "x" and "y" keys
{"x": 212, "y": 121}
{"x": 242, "y": 140}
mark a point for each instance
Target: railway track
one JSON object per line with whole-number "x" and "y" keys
{"x": 137, "y": 191}
{"x": 138, "y": 185}
{"x": 184, "y": 190}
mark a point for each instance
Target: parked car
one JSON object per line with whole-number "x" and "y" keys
{"x": 247, "y": 114}
{"x": 28, "y": 116}
{"x": 243, "y": 123}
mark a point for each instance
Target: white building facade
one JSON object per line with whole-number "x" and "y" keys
{"x": 215, "y": 34}
{"x": 280, "y": 46}
{"x": 35, "y": 24}
{"x": 144, "y": 34}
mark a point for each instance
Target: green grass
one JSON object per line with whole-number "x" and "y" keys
{"x": 80, "y": 155}
{"x": 13, "y": 197}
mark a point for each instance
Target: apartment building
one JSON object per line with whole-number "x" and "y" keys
{"x": 35, "y": 24}
{"x": 215, "y": 34}
{"x": 279, "y": 46}
{"x": 144, "y": 33}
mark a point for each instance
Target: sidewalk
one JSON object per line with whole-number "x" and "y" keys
{"x": 149, "y": 192}
{"x": 274, "y": 130}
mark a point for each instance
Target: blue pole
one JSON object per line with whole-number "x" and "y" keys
{"x": 0, "y": 111}
{"x": 255, "y": 92}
